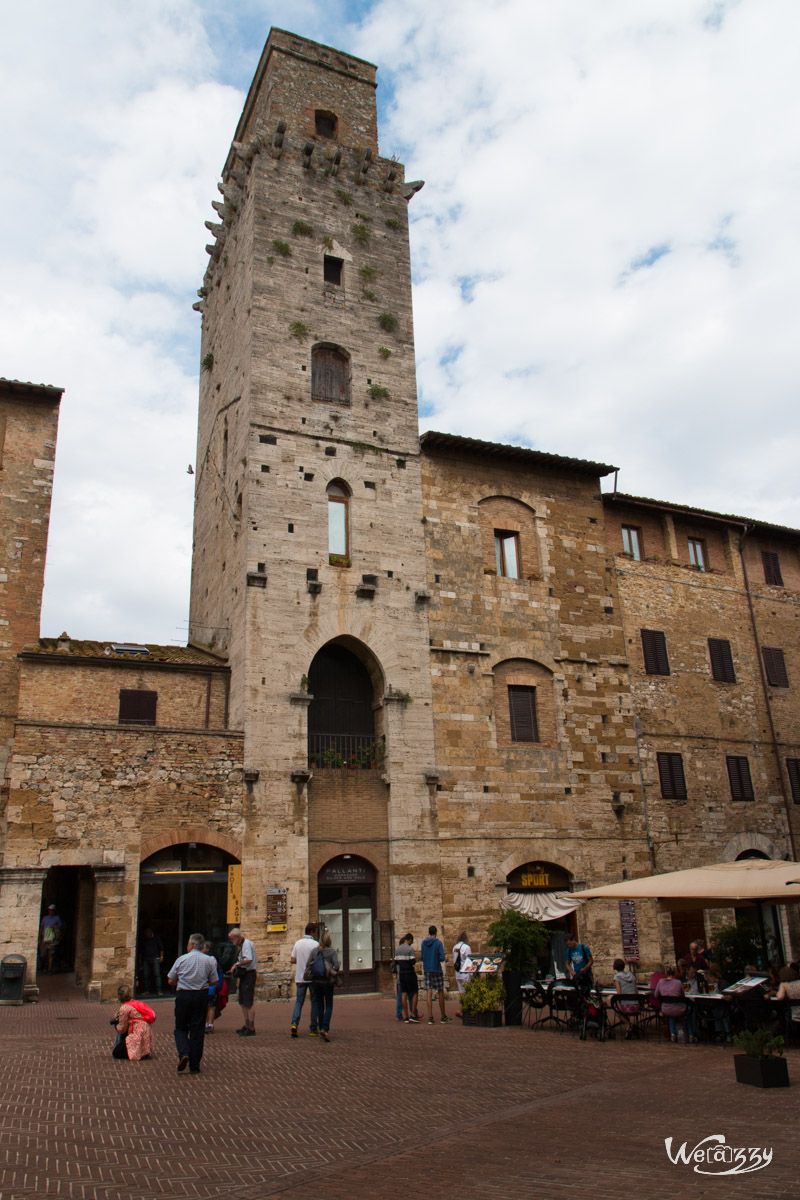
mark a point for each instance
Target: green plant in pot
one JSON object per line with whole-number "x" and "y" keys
{"x": 519, "y": 940}
{"x": 482, "y": 999}
{"x": 762, "y": 1063}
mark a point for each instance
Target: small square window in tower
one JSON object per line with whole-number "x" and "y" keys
{"x": 137, "y": 707}
{"x": 325, "y": 123}
{"x": 332, "y": 269}
{"x": 506, "y": 550}
{"x": 522, "y": 711}
{"x": 330, "y": 375}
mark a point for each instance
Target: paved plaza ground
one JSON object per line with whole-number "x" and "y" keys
{"x": 386, "y": 1111}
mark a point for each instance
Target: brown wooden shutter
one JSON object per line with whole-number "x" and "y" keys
{"x": 775, "y": 666}
{"x": 522, "y": 711}
{"x": 654, "y": 646}
{"x": 739, "y": 776}
{"x": 772, "y": 568}
{"x": 793, "y": 767}
{"x": 330, "y": 376}
{"x": 137, "y": 707}
{"x": 673, "y": 780}
{"x": 719, "y": 651}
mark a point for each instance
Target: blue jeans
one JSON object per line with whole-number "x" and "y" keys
{"x": 690, "y": 1024}
{"x": 399, "y": 1001}
{"x": 302, "y": 988}
{"x": 322, "y": 996}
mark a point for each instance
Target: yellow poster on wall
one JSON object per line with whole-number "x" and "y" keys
{"x": 234, "y": 894}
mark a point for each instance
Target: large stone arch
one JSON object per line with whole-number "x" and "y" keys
{"x": 190, "y": 833}
{"x": 752, "y": 841}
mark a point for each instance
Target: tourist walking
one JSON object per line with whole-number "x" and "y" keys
{"x": 244, "y": 972}
{"x": 322, "y": 989}
{"x": 433, "y": 967}
{"x": 192, "y": 974}
{"x": 301, "y": 952}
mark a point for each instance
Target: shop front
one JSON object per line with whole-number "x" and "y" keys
{"x": 536, "y": 889}
{"x": 346, "y": 906}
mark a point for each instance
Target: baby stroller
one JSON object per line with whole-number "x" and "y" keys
{"x": 592, "y": 1016}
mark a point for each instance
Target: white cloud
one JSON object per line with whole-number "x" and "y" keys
{"x": 565, "y": 146}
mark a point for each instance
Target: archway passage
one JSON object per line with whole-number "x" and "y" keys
{"x": 341, "y": 721}
{"x": 183, "y": 889}
{"x": 346, "y": 906}
{"x": 541, "y": 880}
{"x": 71, "y": 891}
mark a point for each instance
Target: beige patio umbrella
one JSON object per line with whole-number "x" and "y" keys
{"x": 748, "y": 883}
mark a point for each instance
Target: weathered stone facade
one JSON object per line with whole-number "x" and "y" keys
{"x": 483, "y": 595}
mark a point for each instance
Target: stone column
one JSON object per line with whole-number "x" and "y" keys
{"x": 114, "y": 933}
{"x": 20, "y": 906}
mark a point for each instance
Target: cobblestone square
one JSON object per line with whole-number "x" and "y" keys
{"x": 386, "y": 1110}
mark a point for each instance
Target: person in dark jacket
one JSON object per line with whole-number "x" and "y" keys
{"x": 323, "y": 988}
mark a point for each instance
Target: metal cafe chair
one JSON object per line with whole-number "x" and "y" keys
{"x": 536, "y": 999}
{"x": 566, "y": 1006}
{"x": 631, "y": 1021}
{"x": 713, "y": 1020}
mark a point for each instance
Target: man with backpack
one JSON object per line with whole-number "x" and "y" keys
{"x": 579, "y": 962}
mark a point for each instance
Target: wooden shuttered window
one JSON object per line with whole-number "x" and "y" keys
{"x": 775, "y": 666}
{"x": 793, "y": 767}
{"x": 670, "y": 773}
{"x": 772, "y": 568}
{"x": 137, "y": 707}
{"x": 739, "y": 776}
{"x": 654, "y": 646}
{"x": 522, "y": 711}
{"x": 330, "y": 375}
{"x": 719, "y": 651}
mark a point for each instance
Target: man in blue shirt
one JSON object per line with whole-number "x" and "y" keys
{"x": 432, "y": 963}
{"x": 579, "y": 961}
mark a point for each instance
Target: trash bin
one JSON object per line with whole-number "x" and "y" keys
{"x": 12, "y": 979}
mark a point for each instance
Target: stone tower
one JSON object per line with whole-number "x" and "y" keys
{"x": 309, "y": 560}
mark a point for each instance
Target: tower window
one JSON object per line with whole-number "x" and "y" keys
{"x": 332, "y": 269}
{"x": 739, "y": 777}
{"x": 697, "y": 554}
{"x": 325, "y": 123}
{"x": 522, "y": 713}
{"x": 137, "y": 707}
{"x": 330, "y": 375}
{"x": 772, "y": 568}
{"x": 654, "y": 646}
{"x": 338, "y": 518}
{"x": 632, "y": 541}
{"x": 506, "y": 552}
{"x": 671, "y": 776}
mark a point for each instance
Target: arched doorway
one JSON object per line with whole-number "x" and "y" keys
{"x": 183, "y": 889}
{"x": 346, "y": 906}
{"x": 341, "y": 716}
{"x": 533, "y": 886}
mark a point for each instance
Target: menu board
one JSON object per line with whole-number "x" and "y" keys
{"x": 744, "y": 985}
{"x": 630, "y": 934}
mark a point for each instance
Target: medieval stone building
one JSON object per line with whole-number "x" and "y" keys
{"x": 422, "y": 674}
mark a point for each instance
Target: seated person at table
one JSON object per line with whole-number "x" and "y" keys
{"x": 790, "y": 990}
{"x": 670, "y": 993}
{"x": 659, "y": 973}
{"x": 691, "y": 977}
{"x": 579, "y": 962}
{"x": 714, "y": 981}
{"x": 625, "y": 983}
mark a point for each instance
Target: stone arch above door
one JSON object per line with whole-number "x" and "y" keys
{"x": 751, "y": 841}
{"x": 191, "y": 833}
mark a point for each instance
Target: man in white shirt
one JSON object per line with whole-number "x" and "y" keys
{"x": 244, "y": 972}
{"x": 301, "y": 952}
{"x": 192, "y": 974}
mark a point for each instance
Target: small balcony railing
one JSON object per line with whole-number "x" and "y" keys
{"x": 344, "y": 751}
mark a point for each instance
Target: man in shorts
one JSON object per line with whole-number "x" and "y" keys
{"x": 433, "y": 967}
{"x": 244, "y": 972}
{"x": 405, "y": 959}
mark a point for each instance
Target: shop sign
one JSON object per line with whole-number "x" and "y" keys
{"x": 234, "y": 916}
{"x": 343, "y": 873}
{"x": 276, "y": 910}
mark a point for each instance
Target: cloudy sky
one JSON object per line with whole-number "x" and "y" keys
{"x": 605, "y": 252}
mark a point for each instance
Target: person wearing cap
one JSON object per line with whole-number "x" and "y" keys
{"x": 51, "y": 930}
{"x": 244, "y": 972}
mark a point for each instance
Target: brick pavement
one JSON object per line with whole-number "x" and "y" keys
{"x": 386, "y": 1109}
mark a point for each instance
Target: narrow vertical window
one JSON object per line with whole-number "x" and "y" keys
{"x": 522, "y": 711}
{"x": 654, "y": 647}
{"x": 670, "y": 773}
{"x": 338, "y": 519}
{"x": 775, "y": 666}
{"x": 739, "y": 777}
{"x": 719, "y": 651}
{"x": 772, "y": 568}
{"x": 332, "y": 269}
{"x": 506, "y": 552}
{"x": 697, "y": 554}
{"x": 793, "y": 767}
{"x": 632, "y": 541}
{"x": 330, "y": 375}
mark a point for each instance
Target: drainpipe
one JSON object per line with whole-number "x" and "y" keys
{"x": 765, "y": 689}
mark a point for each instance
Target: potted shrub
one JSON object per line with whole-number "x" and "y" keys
{"x": 518, "y": 939}
{"x": 481, "y": 1001}
{"x": 762, "y": 1064}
